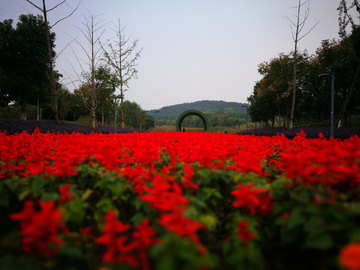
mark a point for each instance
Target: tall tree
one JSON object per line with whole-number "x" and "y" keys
{"x": 352, "y": 43}
{"x": 123, "y": 59}
{"x": 48, "y": 27}
{"x": 297, "y": 36}
{"x": 23, "y": 59}
{"x": 92, "y": 31}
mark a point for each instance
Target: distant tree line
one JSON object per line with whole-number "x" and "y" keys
{"x": 25, "y": 76}
{"x": 272, "y": 95}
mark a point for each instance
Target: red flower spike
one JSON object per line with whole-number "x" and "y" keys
{"x": 143, "y": 238}
{"x": 117, "y": 249}
{"x": 257, "y": 201}
{"x": 244, "y": 232}
{"x": 65, "y": 194}
{"x": 40, "y": 229}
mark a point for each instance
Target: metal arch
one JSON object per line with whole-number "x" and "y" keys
{"x": 187, "y": 113}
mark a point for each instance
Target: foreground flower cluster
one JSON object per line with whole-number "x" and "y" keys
{"x": 178, "y": 201}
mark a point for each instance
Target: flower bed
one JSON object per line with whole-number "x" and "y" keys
{"x": 178, "y": 200}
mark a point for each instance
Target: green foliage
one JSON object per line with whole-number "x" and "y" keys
{"x": 272, "y": 95}
{"x": 24, "y": 61}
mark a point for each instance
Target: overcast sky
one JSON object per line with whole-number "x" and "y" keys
{"x": 192, "y": 49}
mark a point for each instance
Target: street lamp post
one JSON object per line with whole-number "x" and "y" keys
{"x": 246, "y": 106}
{"x": 332, "y": 102}
{"x": 115, "y": 109}
{"x": 155, "y": 117}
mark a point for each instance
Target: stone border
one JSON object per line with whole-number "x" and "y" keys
{"x": 187, "y": 113}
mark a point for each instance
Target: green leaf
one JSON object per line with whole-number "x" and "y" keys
{"x": 12, "y": 184}
{"x": 137, "y": 218}
{"x": 73, "y": 211}
{"x": 209, "y": 221}
{"x": 72, "y": 252}
{"x": 38, "y": 185}
{"x": 86, "y": 194}
{"x": 226, "y": 247}
{"x": 288, "y": 236}
{"x": 51, "y": 196}
{"x": 166, "y": 262}
{"x": 296, "y": 218}
{"x": 24, "y": 194}
{"x": 4, "y": 195}
{"x": 321, "y": 242}
{"x": 117, "y": 188}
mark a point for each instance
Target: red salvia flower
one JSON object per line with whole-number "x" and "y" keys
{"x": 184, "y": 227}
{"x": 255, "y": 200}
{"x": 65, "y": 194}
{"x": 40, "y": 229}
{"x": 350, "y": 256}
{"x": 187, "y": 178}
{"x": 115, "y": 241}
{"x": 244, "y": 232}
{"x": 143, "y": 238}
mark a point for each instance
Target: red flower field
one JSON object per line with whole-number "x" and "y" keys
{"x": 178, "y": 200}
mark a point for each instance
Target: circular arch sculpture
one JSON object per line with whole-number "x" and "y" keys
{"x": 187, "y": 113}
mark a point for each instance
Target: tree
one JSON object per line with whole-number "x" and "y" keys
{"x": 272, "y": 94}
{"x": 23, "y": 61}
{"x": 93, "y": 55}
{"x": 299, "y": 26}
{"x": 65, "y": 100}
{"x": 262, "y": 106}
{"x": 49, "y": 47}
{"x": 7, "y": 34}
{"x": 352, "y": 43}
{"x": 149, "y": 121}
{"x": 132, "y": 113}
{"x": 105, "y": 83}
{"x": 123, "y": 59}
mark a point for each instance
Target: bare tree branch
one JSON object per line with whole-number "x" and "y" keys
{"x": 67, "y": 15}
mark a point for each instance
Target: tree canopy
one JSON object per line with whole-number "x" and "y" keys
{"x": 24, "y": 61}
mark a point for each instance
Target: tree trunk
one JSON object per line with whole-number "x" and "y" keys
{"x": 38, "y": 108}
{"x": 122, "y": 110}
{"x": 102, "y": 113}
{"x": 54, "y": 104}
{"x": 291, "y": 122}
{"x": 23, "y": 110}
{"x": 344, "y": 108}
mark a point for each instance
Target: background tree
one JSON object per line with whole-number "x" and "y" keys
{"x": 296, "y": 34}
{"x": 105, "y": 83}
{"x": 7, "y": 49}
{"x": 132, "y": 113}
{"x": 65, "y": 102}
{"x": 123, "y": 59}
{"x": 45, "y": 11}
{"x": 352, "y": 44}
{"x": 149, "y": 122}
{"x": 23, "y": 61}
{"x": 272, "y": 94}
{"x": 92, "y": 31}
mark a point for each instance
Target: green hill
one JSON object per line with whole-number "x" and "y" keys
{"x": 205, "y": 106}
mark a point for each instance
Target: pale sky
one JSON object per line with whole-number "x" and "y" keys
{"x": 192, "y": 49}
